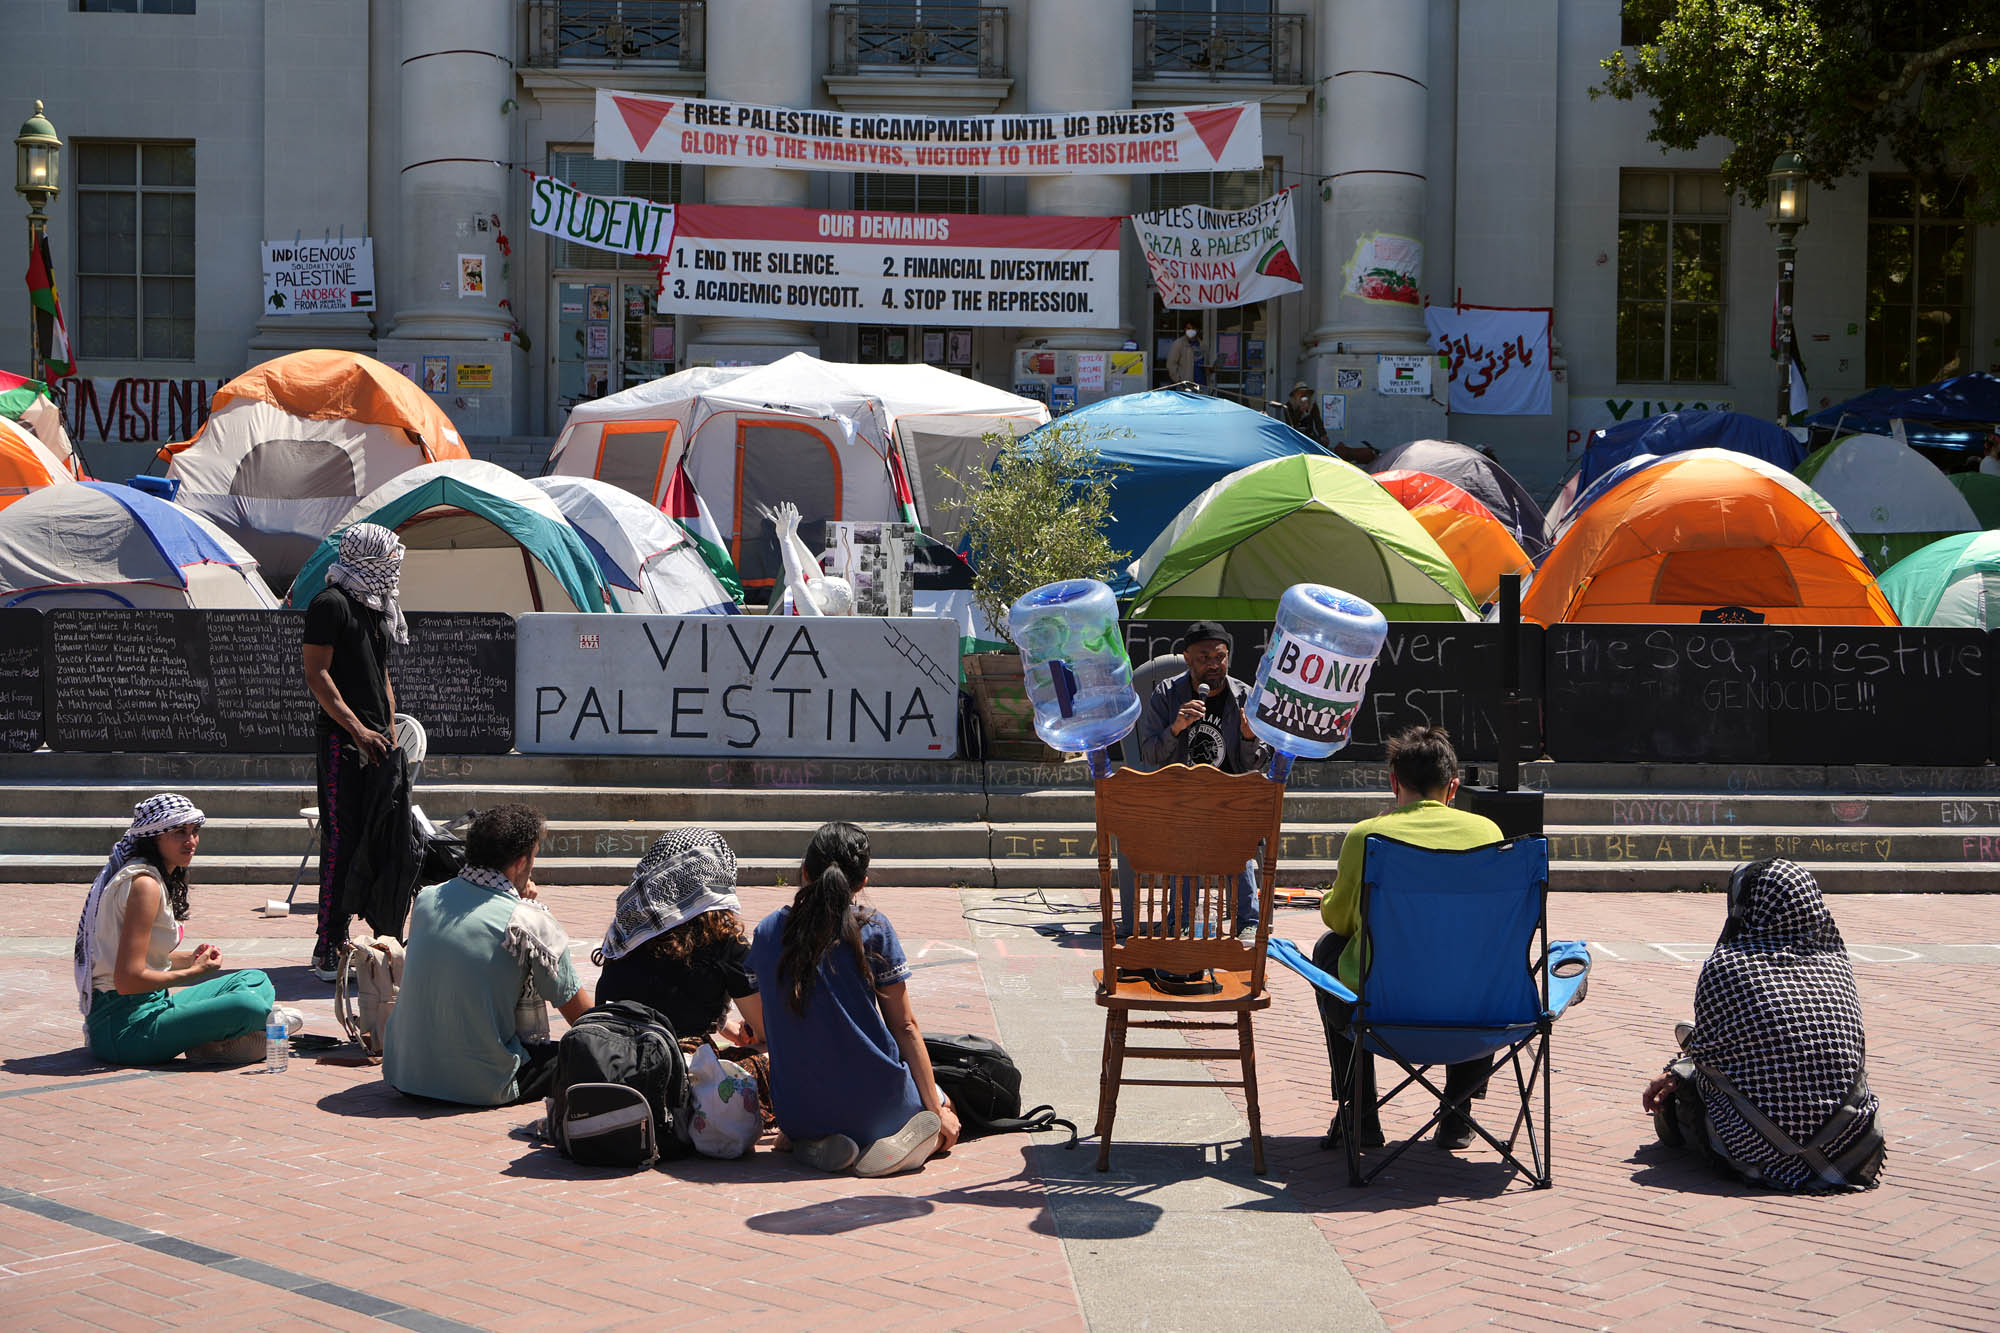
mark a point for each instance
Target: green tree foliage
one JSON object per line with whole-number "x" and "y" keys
{"x": 1038, "y": 517}
{"x": 1835, "y": 79}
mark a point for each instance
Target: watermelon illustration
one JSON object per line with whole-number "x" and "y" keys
{"x": 1276, "y": 262}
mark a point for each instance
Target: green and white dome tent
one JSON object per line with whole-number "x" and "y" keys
{"x": 1233, "y": 550}
{"x": 1953, "y": 583}
{"x": 1892, "y": 499}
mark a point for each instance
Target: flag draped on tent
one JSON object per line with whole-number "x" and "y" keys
{"x": 51, "y": 334}
{"x": 906, "y": 499}
{"x": 685, "y": 506}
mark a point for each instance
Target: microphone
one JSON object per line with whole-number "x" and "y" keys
{"x": 1203, "y": 690}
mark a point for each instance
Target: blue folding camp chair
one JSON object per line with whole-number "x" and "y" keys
{"x": 1453, "y": 971}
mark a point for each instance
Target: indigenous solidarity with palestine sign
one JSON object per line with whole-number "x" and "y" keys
{"x": 1205, "y": 258}
{"x": 892, "y": 268}
{"x": 632, "y": 128}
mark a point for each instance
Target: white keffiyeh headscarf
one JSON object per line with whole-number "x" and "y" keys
{"x": 155, "y": 814}
{"x": 685, "y": 873}
{"x": 370, "y": 570}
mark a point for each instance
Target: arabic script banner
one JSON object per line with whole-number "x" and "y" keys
{"x": 1499, "y": 359}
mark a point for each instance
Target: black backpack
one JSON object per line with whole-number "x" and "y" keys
{"x": 984, "y": 1085}
{"x": 622, "y": 1094}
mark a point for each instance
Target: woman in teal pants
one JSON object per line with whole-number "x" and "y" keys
{"x": 145, "y": 1000}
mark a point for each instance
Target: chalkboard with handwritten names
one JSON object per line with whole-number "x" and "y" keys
{"x": 21, "y": 694}
{"x": 1430, "y": 673}
{"x": 122, "y": 679}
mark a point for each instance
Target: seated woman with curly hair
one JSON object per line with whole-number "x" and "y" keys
{"x": 676, "y": 942}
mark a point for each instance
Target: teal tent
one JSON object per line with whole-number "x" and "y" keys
{"x": 1954, "y": 582}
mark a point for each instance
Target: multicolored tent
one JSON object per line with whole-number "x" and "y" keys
{"x": 649, "y": 564}
{"x": 477, "y": 538}
{"x": 1478, "y": 544}
{"x": 1890, "y": 496}
{"x": 1234, "y": 549}
{"x": 290, "y": 445}
{"x": 1477, "y": 475}
{"x": 1703, "y": 537}
{"x": 25, "y": 466}
{"x": 1953, "y": 582}
{"x": 97, "y": 544}
{"x": 28, "y": 403}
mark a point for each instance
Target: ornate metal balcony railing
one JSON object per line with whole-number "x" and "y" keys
{"x": 1219, "y": 46}
{"x": 920, "y": 38}
{"x": 658, "y": 33}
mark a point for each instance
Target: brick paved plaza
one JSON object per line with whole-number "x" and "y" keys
{"x": 189, "y": 1196}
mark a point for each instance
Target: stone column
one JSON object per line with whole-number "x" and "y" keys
{"x": 1373, "y": 144}
{"x": 322, "y": 47}
{"x": 759, "y": 51}
{"x": 456, "y": 69}
{"x": 1079, "y": 59}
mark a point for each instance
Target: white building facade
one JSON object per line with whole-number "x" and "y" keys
{"x": 197, "y": 130}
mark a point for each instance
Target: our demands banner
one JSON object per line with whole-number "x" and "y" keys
{"x": 892, "y": 268}
{"x": 634, "y": 128}
{"x": 1205, "y": 258}
{"x": 626, "y": 226}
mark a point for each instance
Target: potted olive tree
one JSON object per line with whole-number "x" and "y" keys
{"x": 1037, "y": 517}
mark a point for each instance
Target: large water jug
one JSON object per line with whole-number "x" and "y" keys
{"x": 1310, "y": 683}
{"x": 1073, "y": 659}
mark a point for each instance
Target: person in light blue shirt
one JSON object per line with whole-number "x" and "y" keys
{"x": 470, "y": 1024}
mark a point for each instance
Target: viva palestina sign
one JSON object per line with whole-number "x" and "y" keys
{"x": 1310, "y": 691}
{"x": 635, "y": 128}
{"x": 1499, "y": 358}
{"x": 1204, "y": 258}
{"x": 624, "y": 226}
{"x": 892, "y": 268}
{"x": 757, "y": 686}
{"x": 313, "y": 277}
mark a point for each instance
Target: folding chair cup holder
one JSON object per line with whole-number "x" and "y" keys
{"x": 1187, "y": 834}
{"x": 1457, "y": 966}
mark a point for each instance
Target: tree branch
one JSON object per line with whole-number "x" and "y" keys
{"x": 1923, "y": 62}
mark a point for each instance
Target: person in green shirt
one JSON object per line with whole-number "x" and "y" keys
{"x": 1423, "y": 777}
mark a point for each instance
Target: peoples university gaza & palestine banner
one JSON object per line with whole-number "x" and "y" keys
{"x": 1226, "y": 137}
{"x": 1206, "y": 258}
{"x": 892, "y": 268}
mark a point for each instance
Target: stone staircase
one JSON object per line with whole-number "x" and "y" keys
{"x": 941, "y": 823}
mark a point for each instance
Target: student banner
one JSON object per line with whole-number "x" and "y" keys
{"x": 892, "y": 268}
{"x": 1226, "y": 137}
{"x": 1205, "y": 258}
{"x": 625, "y": 226}
{"x": 1499, "y": 358}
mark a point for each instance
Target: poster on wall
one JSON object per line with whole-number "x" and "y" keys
{"x": 876, "y": 268}
{"x": 597, "y": 341}
{"x": 471, "y": 275}
{"x": 437, "y": 374}
{"x": 1499, "y": 359}
{"x": 749, "y": 686}
{"x": 316, "y": 277}
{"x": 1207, "y": 258}
{"x": 1385, "y": 268}
{"x": 600, "y": 303}
{"x": 1333, "y": 410}
{"x": 623, "y": 226}
{"x": 1403, "y": 375}
{"x": 636, "y": 128}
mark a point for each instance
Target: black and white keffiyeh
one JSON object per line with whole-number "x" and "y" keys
{"x": 488, "y": 879}
{"x": 685, "y": 873}
{"x": 155, "y": 814}
{"x": 1776, "y": 1012}
{"x": 370, "y": 570}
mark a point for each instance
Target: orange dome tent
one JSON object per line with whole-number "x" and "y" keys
{"x": 1477, "y": 543}
{"x": 1697, "y": 535}
{"x": 25, "y": 465}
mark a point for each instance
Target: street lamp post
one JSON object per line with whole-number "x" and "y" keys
{"x": 1785, "y": 213}
{"x": 37, "y": 173}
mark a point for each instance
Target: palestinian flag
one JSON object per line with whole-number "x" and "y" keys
{"x": 1276, "y": 262}
{"x": 899, "y": 481}
{"x": 685, "y": 506}
{"x": 18, "y": 393}
{"x": 51, "y": 334}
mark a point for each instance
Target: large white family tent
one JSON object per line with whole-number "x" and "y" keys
{"x": 834, "y": 439}
{"x": 649, "y": 564}
{"x": 99, "y": 544}
{"x": 292, "y": 444}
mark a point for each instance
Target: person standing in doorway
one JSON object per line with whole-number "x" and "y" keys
{"x": 349, "y": 628}
{"x": 1184, "y": 359}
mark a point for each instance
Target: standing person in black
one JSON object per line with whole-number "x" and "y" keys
{"x": 349, "y": 628}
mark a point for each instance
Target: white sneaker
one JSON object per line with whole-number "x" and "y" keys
{"x": 835, "y": 1152}
{"x": 888, "y": 1156}
{"x": 295, "y": 1022}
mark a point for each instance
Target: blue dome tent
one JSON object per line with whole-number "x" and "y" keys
{"x": 1678, "y": 432}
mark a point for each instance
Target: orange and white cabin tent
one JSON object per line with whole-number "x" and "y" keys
{"x": 289, "y": 447}
{"x": 26, "y": 465}
{"x": 1703, "y": 537}
{"x": 1477, "y": 544}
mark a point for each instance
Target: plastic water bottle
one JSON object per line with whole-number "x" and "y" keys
{"x": 1073, "y": 660}
{"x": 1311, "y": 680}
{"x": 277, "y": 1042}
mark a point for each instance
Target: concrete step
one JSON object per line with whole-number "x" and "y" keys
{"x": 889, "y": 871}
{"x": 1586, "y": 877}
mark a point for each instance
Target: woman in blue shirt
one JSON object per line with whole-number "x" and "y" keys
{"x": 850, "y": 1079}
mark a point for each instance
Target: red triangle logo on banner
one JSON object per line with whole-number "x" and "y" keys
{"x": 1215, "y": 126}
{"x": 642, "y": 118}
